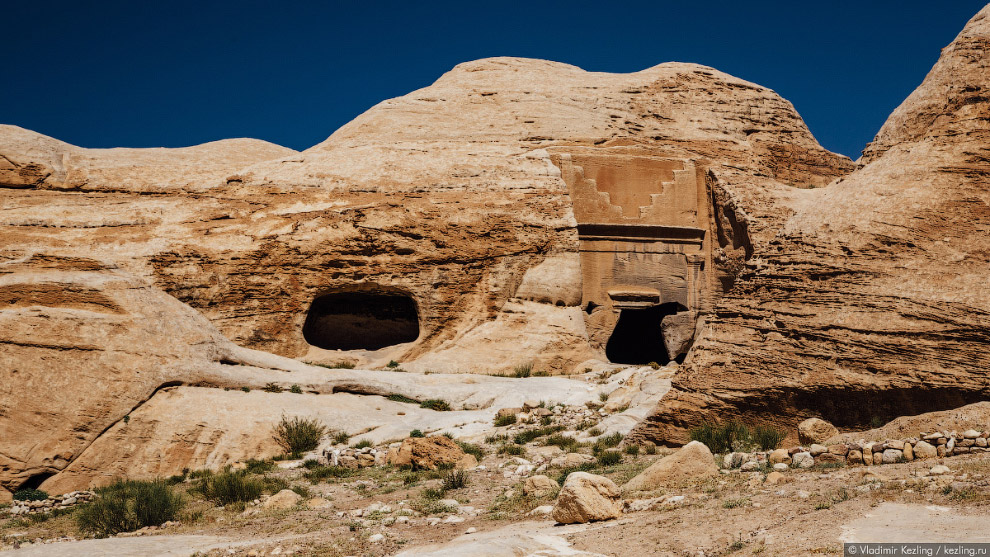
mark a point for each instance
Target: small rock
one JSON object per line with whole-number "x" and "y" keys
{"x": 750, "y": 466}
{"x": 454, "y": 519}
{"x": 587, "y": 497}
{"x": 803, "y": 460}
{"x": 817, "y": 449}
{"x": 774, "y": 478}
{"x": 285, "y": 499}
{"x": 971, "y": 434}
{"x": 471, "y": 530}
{"x": 376, "y": 538}
{"x": 539, "y": 486}
{"x": 892, "y": 456}
{"x": 780, "y": 456}
{"x": 939, "y": 470}
{"x": 780, "y": 467}
{"x": 802, "y": 494}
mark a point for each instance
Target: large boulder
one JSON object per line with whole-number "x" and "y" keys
{"x": 693, "y": 460}
{"x": 815, "y": 430}
{"x": 427, "y": 453}
{"x": 285, "y": 499}
{"x": 587, "y": 497}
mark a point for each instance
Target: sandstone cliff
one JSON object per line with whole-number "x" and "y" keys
{"x": 445, "y": 211}
{"x": 873, "y": 301}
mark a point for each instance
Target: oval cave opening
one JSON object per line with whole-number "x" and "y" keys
{"x": 638, "y": 337}
{"x": 361, "y": 320}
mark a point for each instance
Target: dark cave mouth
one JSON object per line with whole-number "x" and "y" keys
{"x": 637, "y": 338}
{"x": 361, "y": 320}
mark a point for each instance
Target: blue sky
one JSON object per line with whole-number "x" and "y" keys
{"x": 143, "y": 74}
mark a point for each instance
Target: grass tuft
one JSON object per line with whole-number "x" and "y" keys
{"x": 298, "y": 435}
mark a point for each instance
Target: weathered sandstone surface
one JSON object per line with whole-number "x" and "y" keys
{"x": 873, "y": 301}
{"x": 442, "y": 229}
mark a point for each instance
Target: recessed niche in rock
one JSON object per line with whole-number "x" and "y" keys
{"x": 361, "y": 320}
{"x": 638, "y": 336}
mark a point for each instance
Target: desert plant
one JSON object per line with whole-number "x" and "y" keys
{"x": 514, "y": 450}
{"x": 295, "y": 389}
{"x": 311, "y": 463}
{"x": 723, "y": 438}
{"x": 29, "y": 494}
{"x": 229, "y": 486}
{"x": 609, "y": 458}
{"x": 454, "y": 479}
{"x": 546, "y": 420}
{"x": 767, "y": 437}
{"x": 564, "y": 472}
{"x": 602, "y": 397}
{"x": 606, "y": 442}
{"x": 128, "y": 505}
{"x": 435, "y": 404}
{"x": 298, "y": 435}
{"x": 632, "y": 450}
{"x": 434, "y": 493}
{"x": 246, "y": 389}
{"x": 253, "y": 466}
{"x": 522, "y": 371}
{"x": 568, "y": 444}
{"x": 416, "y": 433}
{"x": 364, "y": 443}
{"x": 524, "y": 437}
{"x": 392, "y": 364}
{"x": 507, "y": 419}
{"x": 272, "y": 388}
{"x": 339, "y": 437}
{"x": 402, "y": 398}
{"x": 471, "y": 449}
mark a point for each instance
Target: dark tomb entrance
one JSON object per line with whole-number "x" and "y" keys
{"x": 637, "y": 338}
{"x": 361, "y": 320}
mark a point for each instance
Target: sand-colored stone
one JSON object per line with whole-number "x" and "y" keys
{"x": 815, "y": 430}
{"x": 427, "y": 453}
{"x": 539, "y": 485}
{"x": 285, "y": 499}
{"x": 587, "y": 497}
{"x": 693, "y": 460}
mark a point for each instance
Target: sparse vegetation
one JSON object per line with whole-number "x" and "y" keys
{"x": 435, "y": 404}
{"x": 392, "y": 364}
{"x": 295, "y": 389}
{"x": 768, "y": 437}
{"x": 402, "y": 398}
{"x": 298, "y": 435}
{"x": 502, "y": 421}
{"x": 128, "y": 505}
{"x": 471, "y": 449}
{"x": 416, "y": 433}
{"x": 513, "y": 450}
{"x": 272, "y": 388}
{"x": 606, "y": 442}
{"x": 364, "y": 443}
{"x": 454, "y": 479}
{"x": 523, "y": 371}
{"x": 321, "y": 473}
{"x": 30, "y": 494}
{"x": 651, "y": 449}
{"x": 254, "y": 466}
{"x": 609, "y": 458}
{"x": 723, "y": 438}
{"x": 567, "y": 444}
{"x": 632, "y": 450}
{"x": 733, "y": 503}
{"x": 339, "y": 437}
{"x": 524, "y": 437}
{"x": 246, "y": 389}
{"x": 229, "y": 487}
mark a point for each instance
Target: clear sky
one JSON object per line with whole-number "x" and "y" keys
{"x": 174, "y": 72}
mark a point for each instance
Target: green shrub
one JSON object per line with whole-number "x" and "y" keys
{"x": 246, "y": 389}
{"x": 568, "y": 444}
{"x": 602, "y": 397}
{"x": 339, "y": 437}
{"x": 514, "y": 450}
{"x": 228, "y": 487}
{"x": 392, "y": 364}
{"x": 606, "y": 442}
{"x": 402, "y": 398}
{"x": 272, "y": 388}
{"x": 273, "y": 484}
{"x": 311, "y": 463}
{"x": 472, "y": 449}
{"x": 723, "y": 438}
{"x": 435, "y": 404}
{"x": 295, "y": 389}
{"x": 524, "y": 437}
{"x": 433, "y": 494}
{"x": 632, "y": 450}
{"x": 454, "y": 479}
{"x": 301, "y": 490}
{"x": 416, "y": 433}
{"x": 364, "y": 443}
{"x": 253, "y": 466}
{"x": 609, "y": 458}
{"x": 767, "y": 437}
{"x": 128, "y": 505}
{"x": 522, "y": 371}
{"x": 29, "y": 494}
{"x": 651, "y": 449}
{"x": 298, "y": 435}
{"x": 541, "y": 373}
{"x": 320, "y": 473}
{"x": 546, "y": 420}
{"x": 502, "y": 421}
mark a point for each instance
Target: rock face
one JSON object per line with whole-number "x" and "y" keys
{"x": 873, "y": 300}
{"x": 454, "y": 246}
{"x": 815, "y": 430}
{"x": 693, "y": 460}
{"x": 585, "y": 498}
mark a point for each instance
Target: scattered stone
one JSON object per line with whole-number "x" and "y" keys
{"x": 924, "y": 450}
{"x": 803, "y": 460}
{"x": 427, "y": 453}
{"x": 815, "y": 430}
{"x": 774, "y": 478}
{"x": 750, "y": 466}
{"x": 781, "y": 467}
{"x": 817, "y": 449}
{"x": 780, "y": 456}
{"x": 285, "y": 499}
{"x": 939, "y": 470}
{"x": 693, "y": 460}
{"x": 376, "y": 538}
{"x": 539, "y": 486}
{"x": 586, "y": 497}
{"x": 892, "y": 456}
